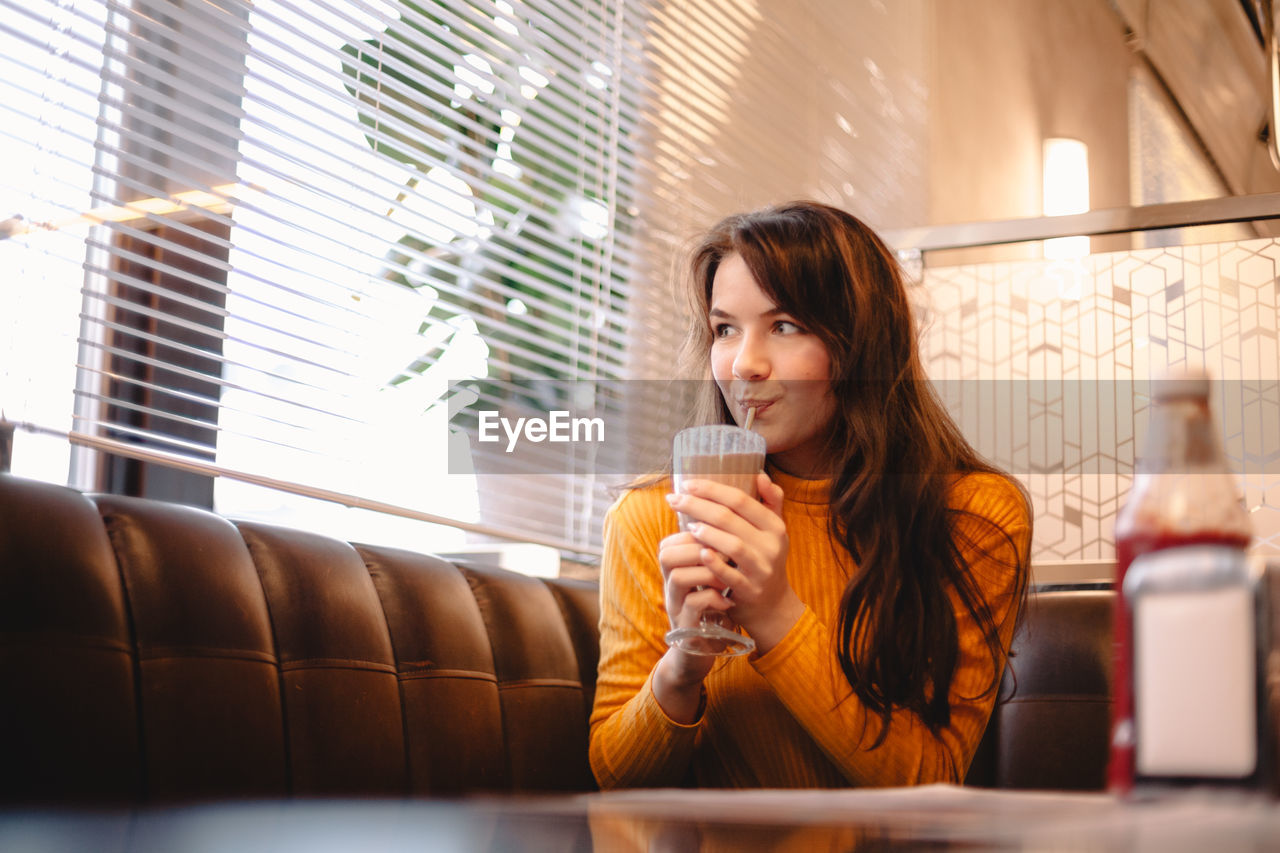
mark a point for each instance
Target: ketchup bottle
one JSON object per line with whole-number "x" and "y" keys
{"x": 1185, "y": 654}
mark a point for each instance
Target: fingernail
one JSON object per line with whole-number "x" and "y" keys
{"x": 673, "y": 499}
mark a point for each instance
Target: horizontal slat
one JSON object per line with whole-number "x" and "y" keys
{"x": 264, "y": 305}
{"x": 178, "y": 105}
{"x": 533, "y": 302}
{"x": 565, "y": 143}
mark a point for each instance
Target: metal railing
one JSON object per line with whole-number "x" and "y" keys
{"x": 1119, "y": 220}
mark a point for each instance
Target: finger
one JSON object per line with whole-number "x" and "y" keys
{"x": 716, "y": 491}
{"x": 725, "y": 544}
{"x": 681, "y": 557}
{"x": 687, "y": 580}
{"x": 735, "y": 536}
{"x": 771, "y": 494}
{"x": 705, "y": 510}
{"x": 681, "y": 538}
{"x": 709, "y": 597}
{"x": 691, "y": 591}
{"x": 686, "y": 556}
{"x": 727, "y": 574}
{"x": 675, "y": 550}
{"x": 699, "y": 499}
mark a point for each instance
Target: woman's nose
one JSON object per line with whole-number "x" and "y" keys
{"x": 751, "y": 361}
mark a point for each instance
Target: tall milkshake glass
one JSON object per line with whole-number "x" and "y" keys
{"x": 730, "y": 455}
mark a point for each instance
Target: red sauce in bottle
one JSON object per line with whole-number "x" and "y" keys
{"x": 1183, "y": 494}
{"x": 1129, "y": 547}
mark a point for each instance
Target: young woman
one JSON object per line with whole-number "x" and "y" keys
{"x": 880, "y": 573}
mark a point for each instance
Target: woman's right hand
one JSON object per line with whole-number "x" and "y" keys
{"x": 688, "y": 591}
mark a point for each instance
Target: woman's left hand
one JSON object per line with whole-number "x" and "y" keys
{"x": 745, "y": 546}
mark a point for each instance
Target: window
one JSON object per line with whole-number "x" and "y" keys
{"x": 321, "y": 221}
{"x": 277, "y": 257}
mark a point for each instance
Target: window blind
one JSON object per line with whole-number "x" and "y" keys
{"x": 308, "y": 229}
{"x": 265, "y": 252}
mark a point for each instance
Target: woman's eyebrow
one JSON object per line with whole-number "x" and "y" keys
{"x": 721, "y": 314}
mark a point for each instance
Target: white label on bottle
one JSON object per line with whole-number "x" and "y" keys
{"x": 1193, "y": 678}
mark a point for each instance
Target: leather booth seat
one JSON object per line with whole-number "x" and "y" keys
{"x": 1051, "y": 727}
{"x": 154, "y": 652}
{"x": 151, "y": 652}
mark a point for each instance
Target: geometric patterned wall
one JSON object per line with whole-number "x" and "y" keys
{"x": 1043, "y": 363}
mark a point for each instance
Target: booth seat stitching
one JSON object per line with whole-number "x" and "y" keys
{"x": 523, "y": 683}
{"x": 373, "y": 568}
{"x": 336, "y": 663}
{"x": 111, "y": 524}
{"x": 151, "y": 653}
{"x": 449, "y": 673}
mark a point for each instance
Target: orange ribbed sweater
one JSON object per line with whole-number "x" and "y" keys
{"x": 787, "y": 718}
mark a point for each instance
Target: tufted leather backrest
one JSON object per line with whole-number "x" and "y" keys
{"x": 152, "y": 652}
{"x": 1051, "y": 726}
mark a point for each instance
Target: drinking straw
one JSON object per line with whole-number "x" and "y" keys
{"x": 751, "y": 416}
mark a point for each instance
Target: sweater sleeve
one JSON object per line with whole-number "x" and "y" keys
{"x": 994, "y": 536}
{"x": 633, "y": 742}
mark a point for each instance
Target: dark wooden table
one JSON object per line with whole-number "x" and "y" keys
{"x": 929, "y": 818}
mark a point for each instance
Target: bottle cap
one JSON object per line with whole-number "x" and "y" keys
{"x": 1181, "y": 383}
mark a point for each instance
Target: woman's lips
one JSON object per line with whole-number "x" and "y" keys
{"x": 758, "y": 405}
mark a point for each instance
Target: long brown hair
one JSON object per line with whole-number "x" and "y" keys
{"x": 895, "y": 451}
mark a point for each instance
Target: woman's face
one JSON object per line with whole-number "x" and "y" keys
{"x": 761, "y": 357}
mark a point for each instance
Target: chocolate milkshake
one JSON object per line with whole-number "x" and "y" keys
{"x": 735, "y": 469}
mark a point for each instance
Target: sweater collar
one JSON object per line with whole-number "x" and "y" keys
{"x": 799, "y": 489}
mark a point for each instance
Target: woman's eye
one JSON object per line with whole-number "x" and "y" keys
{"x": 787, "y": 327}
{"x": 721, "y": 330}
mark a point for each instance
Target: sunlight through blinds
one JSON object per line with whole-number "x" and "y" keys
{"x": 279, "y": 257}
{"x": 288, "y": 236}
